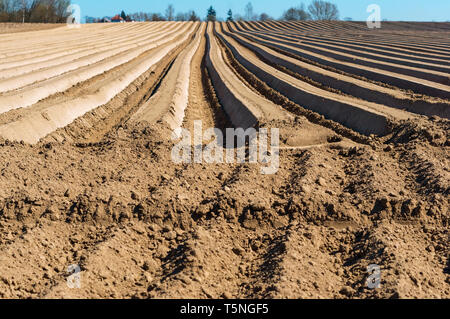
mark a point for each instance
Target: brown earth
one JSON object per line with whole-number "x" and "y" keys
{"x": 103, "y": 192}
{"x": 26, "y": 27}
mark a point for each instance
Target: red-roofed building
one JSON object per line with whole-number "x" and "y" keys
{"x": 117, "y": 18}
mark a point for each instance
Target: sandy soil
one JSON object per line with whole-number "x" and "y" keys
{"x": 27, "y": 27}
{"x": 101, "y": 191}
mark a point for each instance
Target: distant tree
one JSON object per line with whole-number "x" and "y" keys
{"x": 170, "y": 12}
{"x": 43, "y": 11}
{"x": 264, "y": 17}
{"x": 211, "y": 14}
{"x": 230, "y": 16}
{"x": 139, "y": 16}
{"x": 180, "y": 17}
{"x": 157, "y": 17}
{"x": 290, "y": 15}
{"x": 249, "y": 12}
{"x": 193, "y": 16}
{"x": 134, "y": 16}
{"x": 123, "y": 15}
{"x": 296, "y": 14}
{"x": 238, "y": 17}
{"x": 323, "y": 10}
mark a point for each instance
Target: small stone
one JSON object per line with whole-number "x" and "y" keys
{"x": 227, "y": 295}
{"x": 154, "y": 228}
{"x": 148, "y": 277}
{"x": 346, "y": 291}
{"x": 170, "y": 235}
{"x": 146, "y": 266}
{"x": 255, "y": 246}
{"x": 305, "y": 189}
{"x": 124, "y": 215}
{"x": 52, "y": 212}
{"x": 238, "y": 251}
{"x": 392, "y": 195}
{"x": 134, "y": 196}
{"x": 308, "y": 235}
{"x": 250, "y": 224}
{"x": 321, "y": 181}
{"x": 258, "y": 206}
{"x": 186, "y": 280}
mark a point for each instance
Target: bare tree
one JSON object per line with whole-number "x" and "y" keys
{"x": 170, "y": 12}
{"x": 249, "y": 11}
{"x": 182, "y": 16}
{"x": 296, "y": 14}
{"x": 193, "y": 16}
{"x": 158, "y": 17}
{"x": 44, "y": 11}
{"x": 264, "y": 17}
{"x": 323, "y": 10}
{"x": 188, "y": 16}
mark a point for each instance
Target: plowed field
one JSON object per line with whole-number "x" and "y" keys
{"x": 87, "y": 177}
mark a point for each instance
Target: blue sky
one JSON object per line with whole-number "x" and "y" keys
{"x": 405, "y": 10}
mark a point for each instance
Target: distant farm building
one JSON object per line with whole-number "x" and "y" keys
{"x": 117, "y": 19}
